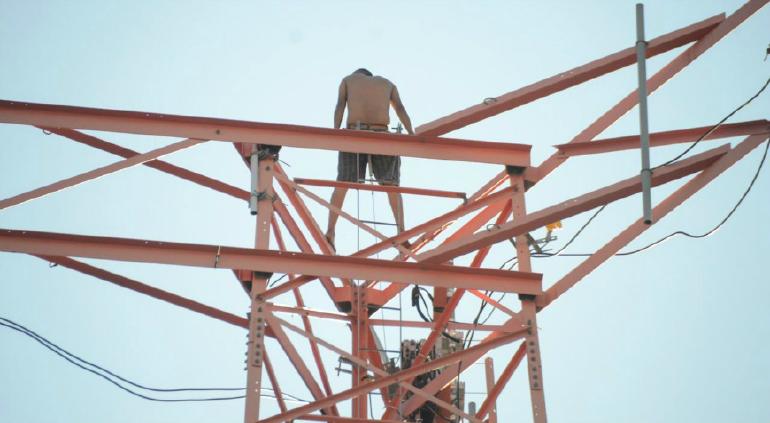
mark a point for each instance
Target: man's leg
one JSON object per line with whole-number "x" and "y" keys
{"x": 387, "y": 171}
{"x": 338, "y": 197}
{"x": 397, "y": 206}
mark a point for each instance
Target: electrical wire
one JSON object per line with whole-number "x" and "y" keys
{"x": 714, "y": 128}
{"x": 683, "y": 233}
{"x": 108, "y": 375}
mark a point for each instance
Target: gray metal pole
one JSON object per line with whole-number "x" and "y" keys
{"x": 254, "y": 162}
{"x": 644, "y": 132}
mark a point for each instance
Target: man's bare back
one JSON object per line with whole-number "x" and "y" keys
{"x": 368, "y": 99}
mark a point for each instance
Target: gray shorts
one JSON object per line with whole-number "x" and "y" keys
{"x": 351, "y": 167}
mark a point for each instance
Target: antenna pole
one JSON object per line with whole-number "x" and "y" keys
{"x": 644, "y": 132}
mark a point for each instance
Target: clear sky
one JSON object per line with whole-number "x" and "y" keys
{"x": 675, "y": 334}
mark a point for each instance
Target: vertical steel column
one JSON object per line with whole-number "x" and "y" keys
{"x": 644, "y": 131}
{"x": 256, "y": 343}
{"x": 528, "y": 307}
{"x": 360, "y": 341}
{"x": 489, "y": 368}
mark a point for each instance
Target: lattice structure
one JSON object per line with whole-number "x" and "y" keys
{"x": 418, "y": 379}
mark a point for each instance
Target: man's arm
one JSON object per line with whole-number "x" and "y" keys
{"x": 342, "y": 99}
{"x": 398, "y": 106}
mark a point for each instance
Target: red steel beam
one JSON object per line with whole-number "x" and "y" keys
{"x": 317, "y": 418}
{"x": 305, "y": 322}
{"x": 298, "y": 362}
{"x": 228, "y": 130}
{"x": 568, "y": 79}
{"x": 304, "y": 214}
{"x": 160, "y": 165}
{"x": 380, "y": 188}
{"x": 97, "y": 173}
{"x": 489, "y": 402}
{"x": 658, "y": 139}
{"x": 430, "y": 325}
{"x": 653, "y": 83}
{"x": 442, "y": 320}
{"x": 274, "y": 382}
{"x": 285, "y": 181}
{"x": 666, "y": 206}
{"x": 405, "y": 375}
{"x": 571, "y": 207}
{"x": 199, "y": 255}
{"x": 299, "y": 239}
{"x": 307, "y": 312}
{"x": 378, "y": 371}
{"x": 437, "y": 222}
{"x": 141, "y": 288}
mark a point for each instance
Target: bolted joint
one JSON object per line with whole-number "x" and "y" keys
{"x": 515, "y": 170}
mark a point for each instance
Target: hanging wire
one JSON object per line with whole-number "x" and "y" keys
{"x": 111, "y": 376}
{"x": 714, "y": 128}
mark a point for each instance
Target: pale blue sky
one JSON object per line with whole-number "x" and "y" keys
{"x": 675, "y": 334}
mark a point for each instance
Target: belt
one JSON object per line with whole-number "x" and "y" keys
{"x": 368, "y": 126}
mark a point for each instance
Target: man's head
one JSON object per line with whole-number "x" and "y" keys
{"x": 363, "y": 71}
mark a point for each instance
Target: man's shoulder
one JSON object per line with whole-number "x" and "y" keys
{"x": 382, "y": 80}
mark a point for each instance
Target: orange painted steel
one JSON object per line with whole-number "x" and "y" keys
{"x": 653, "y": 83}
{"x": 274, "y": 383}
{"x": 160, "y": 165}
{"x": 227, "y": 130}
{"x": 488, "y": 406}
{"x": 252, "y": 265}
{"x": 142, "y": 288}
{"x": 567, "y": 79}
{"x": 571, "y": 207}
{"x": 306, "y": 323}
{"x": 658, "y": 139}
{"x": 97, "y": 173}
{"x": 489, "y": 373}
{"x": 332, "y": 209}
{"x": 443, "y": 319}
{"x": 665, "y": 207}
{"x": 300, "y": 240}
{"x": 403, "y": 375}
{"x": 380, "y": 188}
{"x": 377, "y": 371}
{"x": 212, "y": 256}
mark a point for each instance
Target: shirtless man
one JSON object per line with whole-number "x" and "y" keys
{"x": 368, "y": 99}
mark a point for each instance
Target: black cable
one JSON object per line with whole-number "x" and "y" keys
{"x": 714, "y": 128}
{"x": 582, "y": 228}
{"x": 683, "y": 233}
{"x": 116, "y": 383}
{"x": 720, "y": 224}
{"x": 271, "y": 284}
{"x": 73, "y": 359}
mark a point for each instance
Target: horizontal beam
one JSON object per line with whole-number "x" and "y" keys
{"x": 429, "y": 325}
{"x": 228, "y": 130}
{"x": 571, "y": 207}
{"x": 658, "y": 139}
{"x": 380, "y": 188}
{"x": 567, "y": 79}
{"x": 213, "y": 256}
